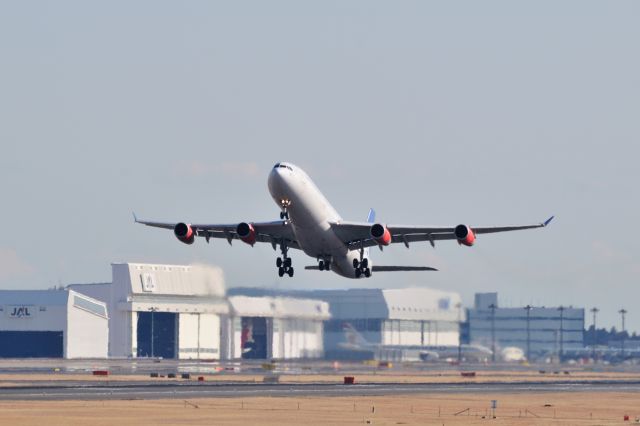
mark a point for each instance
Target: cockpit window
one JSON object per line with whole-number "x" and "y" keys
{"x": 283, "y": 166}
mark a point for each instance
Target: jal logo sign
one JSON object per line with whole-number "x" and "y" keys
{"x": 20, "y": 311}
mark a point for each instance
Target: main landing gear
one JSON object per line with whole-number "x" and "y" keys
{"x": 362, "y": 266}
{"x": 284, "y": 263}
{"x": 324, "y": 265}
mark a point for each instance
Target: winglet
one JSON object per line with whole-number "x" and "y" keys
{"x": 135, "y": 219}
{"x": 546, "y": 222}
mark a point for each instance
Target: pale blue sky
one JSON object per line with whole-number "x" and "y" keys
{"x": 432, "y": 113}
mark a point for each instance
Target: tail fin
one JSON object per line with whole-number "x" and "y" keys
{"x": 372, "y": 216}
{"x": 353, "y": 337}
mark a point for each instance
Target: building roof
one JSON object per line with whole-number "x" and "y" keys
{"x": 182, "y": 280}
{"x": 34, "y": 297}
{"x": 279, "y": 307}
{"x": 53, "y": 298}
{"x": 422, "y": 304}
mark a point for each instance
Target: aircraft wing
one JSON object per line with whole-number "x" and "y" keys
{"x": 358, "y": 234}
{"x": 274, "y": 232}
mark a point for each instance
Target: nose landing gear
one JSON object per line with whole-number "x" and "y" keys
{"x": 284, "y": 204}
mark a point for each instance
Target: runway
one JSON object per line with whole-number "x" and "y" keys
{"x": 186, "y": 390}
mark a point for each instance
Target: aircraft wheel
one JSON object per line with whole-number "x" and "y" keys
{"x": 278, "y": 262}
{"x": 358, "y": 272}
{"x": 356, "y": 263}
{"x": 327, "y": 266}
{"x": 290, "y": 272}
{"x": 321, "y": 265}
{"x": 281, "y": 271}
{"x": 287, "y": 262}
{"x": 365, "y": 263}
{"x": 367, "y": 272}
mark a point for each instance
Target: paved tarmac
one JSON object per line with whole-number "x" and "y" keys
{"x": 186, "y": 390}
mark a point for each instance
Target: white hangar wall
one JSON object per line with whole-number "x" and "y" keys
{"x": 52, "y": 323}
{"x": 276, "y": 327}
{"x": 393, "y": 317}
{"x": 170, "y": 311}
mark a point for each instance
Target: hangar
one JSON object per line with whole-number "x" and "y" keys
{"x": 382, "y": 323}
{"x": 276, "y": 327}
{"x": 388, "y": 319}
{"x": 159, "y": 311}
{"x": 168, "y": 311}
{"x": 52, "y": 324}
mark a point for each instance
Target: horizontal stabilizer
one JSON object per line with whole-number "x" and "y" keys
{"x": 401, "y": 268}
{"x": 386, "y": 268}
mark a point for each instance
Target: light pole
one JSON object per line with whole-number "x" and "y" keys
{"x": 493, "y": 332}
{"x": 459, "y": 306}
{"x": 561, "y": 309}
{"x": 594, "y": 311}
{"x": 153, "y": 311}
{"x": 622, "y": 313}
{"x": 528, "y": 308}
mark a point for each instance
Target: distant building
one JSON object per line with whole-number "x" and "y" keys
{"x": 393, "y": 323}
{"x": 169, "y": 311}
{"x": 550, "y": 330}
{"x": 276, "y": 327}
{"x": 52, "y": 324}
{"x": 182, "y": 312}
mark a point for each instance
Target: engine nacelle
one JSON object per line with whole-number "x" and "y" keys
{"x": 246, "y": 233}
{"x": 381, "y": 234}
{"x": 465, "y": 235}
{"x": 184, "y": 233}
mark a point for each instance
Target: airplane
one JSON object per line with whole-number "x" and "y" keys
{"x": 308, "y": 222}
{"x": 512, "y": 354}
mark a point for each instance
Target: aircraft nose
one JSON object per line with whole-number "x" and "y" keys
{"x": 276, "y": 180}
{"x": 275, "y": 175}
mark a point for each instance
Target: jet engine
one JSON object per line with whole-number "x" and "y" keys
{"x": 184, "y": 233}
{"x": 465, "y": 235}
{"x": 246, "y": 233}
{"x": 381, "y": 234}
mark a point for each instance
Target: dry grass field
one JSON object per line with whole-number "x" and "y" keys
{"x": 513, "y": 409}
{"x": 535, "y": 408}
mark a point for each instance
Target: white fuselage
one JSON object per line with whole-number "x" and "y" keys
{"x": 310, "y": 214}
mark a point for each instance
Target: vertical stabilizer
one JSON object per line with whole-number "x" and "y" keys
{"x": 353, "y": 337}
{"x": 372, "y": 216}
